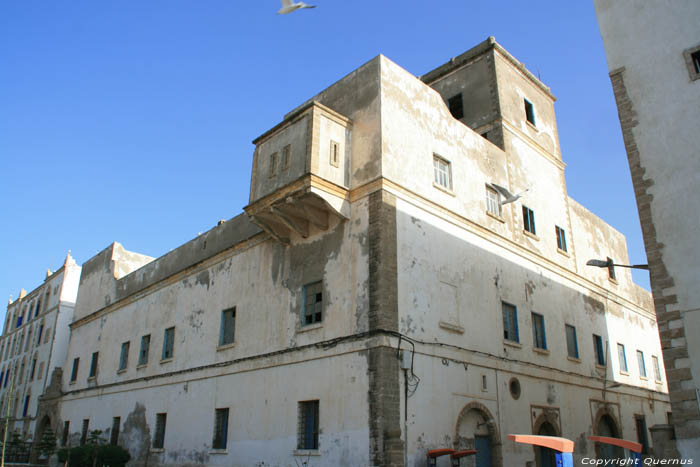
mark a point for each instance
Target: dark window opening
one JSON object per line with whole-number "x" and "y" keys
{"x": 539, "y": 339}
{"x": 561, "y": 238}
{"x": 611, "y": 269}
{"x": 74, "y": 372}
{"x": 84, "y": 432}
{"x": 529, "y": 220}
{"x": 228, "y": 326}
{"x": 159, "y": 438}
{"x": 529, "y": 111}
{"x": 641, "y": 424}
{"x": 313, "y": 303}
{"x": 571, "y": 342}
{"x": 66, "y": 432}
{"x": 510, "y": 322}
{"x": 308, "y": 425}
{"x": 456, "y": 106}
{"x": 695, "y": 58}
{"x": 143, "y": 352}
{"x": 168, "y": 342}
{"x": 93, "y": 365}
{"x": 598, "y": 350}
{"x": 26, "y": 406}
{"x": 124, "y": 357}
{"x": 220, "y": 429}
{"x": 114, "y": 435}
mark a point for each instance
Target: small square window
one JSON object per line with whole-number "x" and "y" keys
{"x": 529, "y": 220}
{"x": 228, "y": 326}
{"x": 313, "y": 303}
{"x": 657, "y": 368}
{"x": 273, "y": 164}
{"x": 561, "y": 238}
{"x": 571, "y": 342}
{"x": 510, "y": 322}
{"x": 307, "y": 435}
{"x": 529, "y": 111}
{"x": 692, "y": 61}
{"x": 168, "y": 343}
{"x": 539, "y": 339}
{"x": 598, "y": 350}
{"x": 286, "y": 154}
{"x": 642, "y": 365}
{"x": 456, "y": 106}
{"x": 622, "y": 358}
{"x": 144, "y": 350}
{"x": 335, "y": 153}
{"x": 220, "y": 429}
{"x": 93, "y": 365}
{"x": 124, "y": 356}
{"x": 159, "y": 435}
{"x": 442, "y": 172}
{"x": 493, "y": 202}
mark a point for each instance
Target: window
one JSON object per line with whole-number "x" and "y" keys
{"x": 228, "y": 326}
{"x": 143, "y": 352}
{"x": 335, "y": 153}
{"x": 26, "y": 406}
{"x": 622, "y": 357}
{"x": 493, "y": 203}
{"x": 692, "y": 61}
{"x": 38, "y": 308}
{"x": 642, "y": 366}
{"x": 307, "y": 435}
{"x": 484, "y": 383}
{"x": 561, "y": 238}
{"x": 84, "y": 432}
{"x": 529, "y": 220}
{"x": 124, "y": 356}
{"x": 313, "y": 303}
{"x": 273, "y": 164}
{"x": 641, "y": 424}
{"x": 41, "y": 330}
{"x": 657, "y": 368}
{"x": 286, "y": 154}
{"x": 114, "y": 435}
{"x": 47, "y": 335}
{"x": 2, "y": 373}
{"x": 66, "y": 432}
{"x": 159, "y": 437}
{"x": 456, "y": 106}
{"x": 510, "y": 322}
{"x": 7, "y": 378}
{"x": 598, "y": 350}
{"x": 93, "y": 365}
{"x": 168, "y": 342}
{"x": 74, "y": 371}
{"x": 529, "y": 111}
{"x": 611, "y": 269}
{"x": 571, "y": 343}
{"x": 220, "y": 429}
{"x": 539, "y": 340}
{"x": 31, "y": 375}
{"x": 442, "y": 172}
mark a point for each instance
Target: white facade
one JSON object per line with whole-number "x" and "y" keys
{"x": 356, "y": 252}
{"x": 653, "y": 53}
{"x": 34, "y": 343}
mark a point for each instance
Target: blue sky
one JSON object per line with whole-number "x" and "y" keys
{"x": 132, "y": 121}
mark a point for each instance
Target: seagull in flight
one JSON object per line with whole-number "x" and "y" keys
{"x": 288, "y": 6}
{"x": 509, "y": 197}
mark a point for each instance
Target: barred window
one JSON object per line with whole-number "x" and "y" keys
{"x": 313, "y": 303}
{"x": 159, "y": 437}
{"x": 220, "y": 429}
{"x": 307, "y": 435}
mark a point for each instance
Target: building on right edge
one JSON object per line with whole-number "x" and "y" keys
{"x": 653, "y": 53}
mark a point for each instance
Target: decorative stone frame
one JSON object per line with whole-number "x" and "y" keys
{"x": 491, "y": 426}
{"x": 694, "y": 74}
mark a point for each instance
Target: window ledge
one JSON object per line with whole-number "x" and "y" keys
{"x": 166, "y": 360}
{"x": 643, "y": 378}
{"x": 600, "y": 367}
{"x": 626, "y": 373}
{"x": 613, "y": 281}
{"x": 531, "y": 125}
{"x": 92, "y": 379}
{"x": 157, "y": 450}
{"x": 494, "y": 216}
{"x": 573, "y": 359}
{"x": 513, "y": 344}
{"x": 563, "y": 252}
{"x": 443, "y": 189}
{"x": 451, "y": 327}
{"x": 540, "y": 351}
{"x": 306, "y": 452}
{"x": 225, "y": 346}
{"x": 310, "y": 327}
{"x": 531, "y": 235}
{"x": 123, "y": 370}
{"x": 72, "y": 383}
{"x": 218, "y": 451}
{"x": 141, "y": 366}
{"x": 658, "y": 381}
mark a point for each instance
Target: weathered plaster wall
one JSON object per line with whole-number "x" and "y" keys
{"x": 658, "y": 102}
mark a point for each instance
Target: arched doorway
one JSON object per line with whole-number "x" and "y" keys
{"x": 607, "y": 426}
{"x": 476, "y": 429}
{"x": 545, "y": 456}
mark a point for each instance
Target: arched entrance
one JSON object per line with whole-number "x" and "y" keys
{"x": 476, "y": 429}
{"x": 606, "y": 425}
{"x": 546, "y": 425}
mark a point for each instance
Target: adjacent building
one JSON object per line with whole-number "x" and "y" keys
{"x": 34, "y": 343}
{"x": 653, "y": 53}
{"x": 391, "y": 288}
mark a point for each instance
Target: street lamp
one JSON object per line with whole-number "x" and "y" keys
{"x": 607, "y": 264}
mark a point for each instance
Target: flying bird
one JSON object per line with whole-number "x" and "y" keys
{"x": 509, "y": 197}
{"x": 288, "y": 6}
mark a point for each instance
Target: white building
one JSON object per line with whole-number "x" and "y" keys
{"x": 34, "y": 343}
{"x": 653, "y": 53}
{"x": 379, "y": 264}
